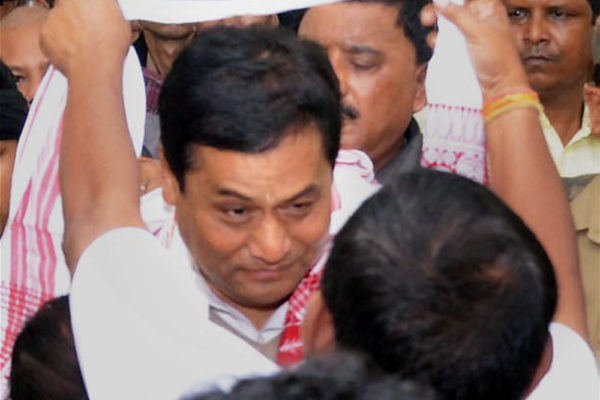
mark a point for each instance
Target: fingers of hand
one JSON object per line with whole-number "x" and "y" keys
{"x": 458, "y": 15}
{"x": 428, "y": 15}
{"x": 79, "y": 29}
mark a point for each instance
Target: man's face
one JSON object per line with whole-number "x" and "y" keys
{"x": 20, "y": 50}
{"x": 8, "y": 149}
{"x": 375, "y": 62}
{"x": 255, "y": 223}
{"x": 554, "y": 39}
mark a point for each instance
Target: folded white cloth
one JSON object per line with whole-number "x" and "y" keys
{"x": 454, "y": 135}
{"x": 33, "y": 265}
{"x": 183, "y": 11}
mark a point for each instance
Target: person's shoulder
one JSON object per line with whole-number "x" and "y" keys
{"x": 573, "y": 372}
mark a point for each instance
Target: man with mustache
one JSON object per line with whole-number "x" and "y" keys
{"x": 555, "y": 44}
{"x": 380, "y": 60}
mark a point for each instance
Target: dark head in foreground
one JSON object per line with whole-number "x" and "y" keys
{"x": 443, "y": 284}
{"x": 44, "y": 361}
{"x": 340, "y": 376}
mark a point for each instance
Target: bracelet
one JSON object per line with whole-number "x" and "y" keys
{"x": 507, "y": 101}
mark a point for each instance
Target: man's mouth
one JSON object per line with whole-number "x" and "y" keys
{"x": 270, "y": 273}
{"x": 537, "y": 59}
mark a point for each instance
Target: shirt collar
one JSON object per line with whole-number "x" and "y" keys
{"x": 410, "y": 156}
{"x": 582, "y": 133}
{"x": 242, "y": 325}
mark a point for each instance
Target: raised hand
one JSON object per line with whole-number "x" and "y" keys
{"x": 486, "y": 28}
{"x": 86, "y": 33}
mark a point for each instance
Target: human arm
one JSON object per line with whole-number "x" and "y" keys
{"x": 522, "y": 172}
{"x": 87, "y": 40}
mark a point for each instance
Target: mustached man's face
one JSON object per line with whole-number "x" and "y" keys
{"x": 256, "y": 222}
{"x": 555, "y": 41}
{"x": 376, "y": 64}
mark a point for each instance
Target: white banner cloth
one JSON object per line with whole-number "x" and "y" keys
{"x": 183, "y": 11}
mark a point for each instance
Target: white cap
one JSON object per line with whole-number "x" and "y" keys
{"x": 185, "y": 11}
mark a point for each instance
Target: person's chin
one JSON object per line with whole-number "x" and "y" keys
{"x": 351, "y": 137}
{"x": 541, "y": 81}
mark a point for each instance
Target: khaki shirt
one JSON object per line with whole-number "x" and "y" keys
{"x": 585, "y": 206}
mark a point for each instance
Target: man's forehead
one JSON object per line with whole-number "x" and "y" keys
{"x": 353, "y": 25}
{"x": 296, "y": 154}
{"x": 22, "y": 43}
{"x": 549, "y": 3}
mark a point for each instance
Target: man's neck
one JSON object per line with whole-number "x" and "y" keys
{"x": 390, "y": 153}
{"x": 564, "y": 109}
{"x": 258, "y": 316}
{"x": 162, "y": 52}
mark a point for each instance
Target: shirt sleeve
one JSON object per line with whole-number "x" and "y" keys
{"x": 142, "y": 330}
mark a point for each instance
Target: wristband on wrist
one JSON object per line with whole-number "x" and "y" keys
{"x": 510, "y": 100}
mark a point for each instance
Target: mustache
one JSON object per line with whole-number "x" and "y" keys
{"x": 349, "y": 112}
{"x": 538, "y": 52}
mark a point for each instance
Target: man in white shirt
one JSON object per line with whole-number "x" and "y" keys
{"x": 250, "y": 123}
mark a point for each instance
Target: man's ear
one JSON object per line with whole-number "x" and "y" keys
{"x": 420, "y": 99}
{"x": 317, "y": 331}
{"x": 170, "y": 185}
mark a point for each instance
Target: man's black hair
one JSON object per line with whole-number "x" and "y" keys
{"x": 244, "y": 89}
{"x": 409, "y": 18}
{"x": 339, "y": 376}
{"x": 13, "y": 106}
{"x": 44, "y": 360}
{"x": 440, "y": 282}
{"x": 595, "y": 5}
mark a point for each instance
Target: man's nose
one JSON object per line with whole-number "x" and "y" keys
{"x": 270, "y": 241}
{"x": 337, "y": 62}
{"x": 536, "y": 29}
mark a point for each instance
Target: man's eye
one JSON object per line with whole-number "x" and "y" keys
{"x": 517, "y": 14}
{"x": 557, "y": 13}
{"x": 236, "y": 214}
{"x": 235, "y": 211}
{"x": 299, "y": 208}
{"x": 19, "y": 79}
{"x": 362, "y": 66}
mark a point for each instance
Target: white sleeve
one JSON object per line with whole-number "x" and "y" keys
{"x": 141, "y": 330}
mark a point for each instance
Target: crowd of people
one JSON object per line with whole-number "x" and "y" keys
{"x": 250, "y": 214}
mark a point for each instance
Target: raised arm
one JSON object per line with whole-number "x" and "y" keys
{"x": 522, "y": 172}
{"x": 87, "y": 40}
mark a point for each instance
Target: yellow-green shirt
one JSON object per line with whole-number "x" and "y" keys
{"x": 581, "y": 156}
